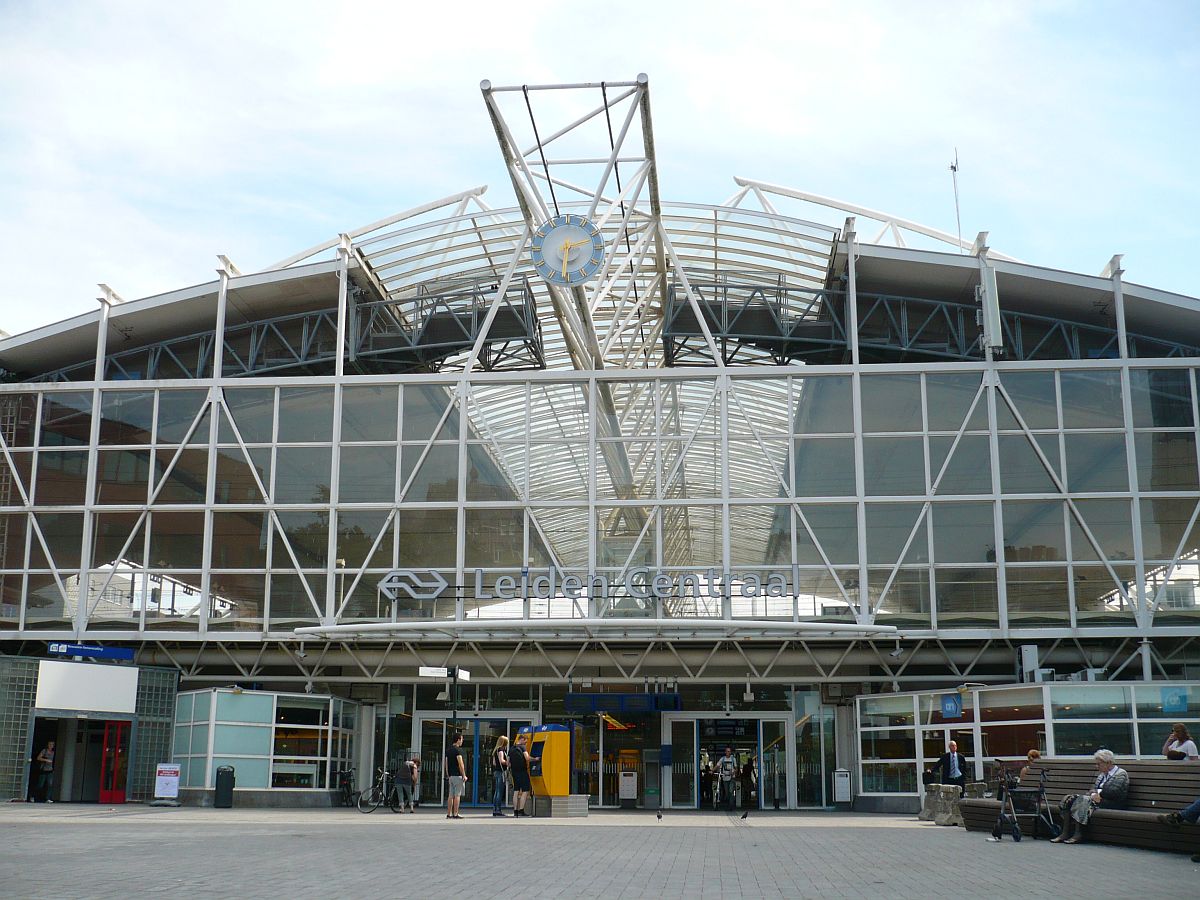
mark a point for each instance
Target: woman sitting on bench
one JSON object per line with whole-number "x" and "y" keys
{"x": 1110, "y": 790}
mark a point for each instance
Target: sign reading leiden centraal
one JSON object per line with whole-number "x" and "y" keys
{"x": 642, "y": 582}
{"x": 166, "y": 781}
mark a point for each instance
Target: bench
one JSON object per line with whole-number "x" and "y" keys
{"x": 1155, "y": 787}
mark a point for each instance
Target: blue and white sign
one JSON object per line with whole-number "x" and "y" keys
{"x": 951, "y": 706}
{"x": 125, "y": 653}
{"x": 1175, "y": 700}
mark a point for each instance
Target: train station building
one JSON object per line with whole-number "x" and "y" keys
{"x": 781, "y": 473}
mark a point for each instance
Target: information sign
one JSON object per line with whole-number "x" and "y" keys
{"x": 166, "y": 781}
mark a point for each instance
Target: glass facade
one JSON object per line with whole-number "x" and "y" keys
{"x": 1054, "y": 498}
{"x": 1057, "y": 719}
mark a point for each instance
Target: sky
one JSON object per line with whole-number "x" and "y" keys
{"x": 138, "y": 140}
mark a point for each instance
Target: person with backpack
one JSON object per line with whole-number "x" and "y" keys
{"x": 727, "y": 772}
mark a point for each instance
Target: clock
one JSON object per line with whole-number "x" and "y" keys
{"x": 567, "y": 250}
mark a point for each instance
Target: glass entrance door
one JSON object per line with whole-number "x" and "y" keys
{"x": 683, "y": 765}
{"x": 772, "y": 774}
{"x": 114, "y": 762}
{"x": 479, "y": 739}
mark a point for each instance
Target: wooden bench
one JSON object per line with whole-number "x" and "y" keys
{"x": 1155, "y": 787}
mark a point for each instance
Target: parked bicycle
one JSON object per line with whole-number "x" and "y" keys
{"x": 346, "y": 795}
{"x": 383, "y": 791}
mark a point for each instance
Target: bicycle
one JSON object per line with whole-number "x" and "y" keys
{"x": 381, "y": 792}
{"x": 346, "y": 795}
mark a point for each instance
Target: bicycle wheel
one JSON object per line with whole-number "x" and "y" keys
{"x": 369, "y": 800}
{"x": 393, "y": 799}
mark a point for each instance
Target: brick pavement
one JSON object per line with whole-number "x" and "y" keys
{"x": 67, "y": 851}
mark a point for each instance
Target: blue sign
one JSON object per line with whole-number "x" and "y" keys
{"x": 125, "y": 653}
{"x": 1174, "y": 700}
{"x": 951, "y": 706}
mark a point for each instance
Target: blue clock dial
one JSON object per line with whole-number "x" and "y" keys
{"x": 567, "y": 250}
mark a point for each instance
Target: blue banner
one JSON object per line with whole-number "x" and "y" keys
{"x": 125, "y": 653}
{"x": 951, "y": 706}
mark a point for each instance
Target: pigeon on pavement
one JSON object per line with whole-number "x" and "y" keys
{"x": 746, "y": 814}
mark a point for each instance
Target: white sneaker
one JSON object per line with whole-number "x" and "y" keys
{"x": 48, "y": 800}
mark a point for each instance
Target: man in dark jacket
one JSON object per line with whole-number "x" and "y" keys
{"x": 953, "y": 767}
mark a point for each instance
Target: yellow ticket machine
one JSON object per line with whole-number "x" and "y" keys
{"x": 550, "y": 760}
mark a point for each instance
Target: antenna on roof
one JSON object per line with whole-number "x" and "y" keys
{"x": 957, "y": 217}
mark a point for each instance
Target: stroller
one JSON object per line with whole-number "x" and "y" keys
{"x": 1018, "y": 801}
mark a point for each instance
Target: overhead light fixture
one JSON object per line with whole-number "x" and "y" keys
{"x": 443, "y": 695}
{"x": 300, "y": 654}
{"x": 898, "y": 652}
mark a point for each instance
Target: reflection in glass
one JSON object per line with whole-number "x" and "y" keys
{"x": 835, "y": 528}
{"x": 66, "y": 418}
{"x": 1033, "y": 530}
{"x": 63, "y": 533}
{"x": 424, "y": 406}
{"x": 969, "y": 470}
{"x": 1166, "y": 461}
{"x": 236, "y": 482}
{"x": 889, "y": 527}
{"x": 1085, "y": 738}
{"x": 427, "y": 536}
{"x": 1110, "y": 523}
{"x": 177, "y": 410}
{"x": 176, "y": 539}
{"x": 307, "y": 535}
{"x": 1161, "y": 398}
{"x": 891, "y": 403}
{"x": 305, "y": 414}
{"x": 1164, "y": 523}
{"x": 1096, "y": 462}
{"x": 1022, "y": 470}
{"x": 187, "y": 478}
{"x": 114, "y": 542}
{"x": 966, "y": 597}
{"x": 369, "y": 412}
{"x": 907, "y": 601}
{"x": 1033, "y": 394}
{"x": 822, "y": 404}
{"x": 1091, "y": 398}
{"x": 122, "y": 476}
{"x": 239, "y": 540}
{"x": 1037, "y": 595}
{"x": 302, "y": 474}
{"x": 949, "y": 397}
{"x": 126, "y": 417}
{"x": 893, "y": 466}
{"x": 61, "y": 478}
{"x": 963, "y": 533}
{"x": 824, "y": 467}
{"x": 368, "y": 475}
{"x": 253, "y": 411}
{"x": 436, "y": 479}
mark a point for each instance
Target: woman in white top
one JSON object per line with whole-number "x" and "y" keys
{"x": 1179, "y": 744}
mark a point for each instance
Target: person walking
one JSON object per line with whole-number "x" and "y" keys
{"x": 406, "y": 783}
{"x": 500, "y": 766}
{"x": 456, "y": 775}
{"x": 749, "y": 784}
{"x": 518, "y": 762}
{"x": 45, "y": 772}
{"x": 726, "y": 770}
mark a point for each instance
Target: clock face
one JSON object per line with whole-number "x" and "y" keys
{"x": 567, "y": 250}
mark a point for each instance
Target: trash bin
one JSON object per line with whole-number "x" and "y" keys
{"x": 223, "y": 798}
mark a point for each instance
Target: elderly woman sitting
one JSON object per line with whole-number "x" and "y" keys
{"x": 1110, "y": 791}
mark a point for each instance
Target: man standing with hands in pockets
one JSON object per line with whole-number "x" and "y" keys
{"x": 456, "y": 772}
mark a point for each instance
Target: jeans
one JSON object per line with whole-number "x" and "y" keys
{"x": 44, "y": 782}
{"x": 405, "y": 790}
{"x": 1191, "y": 813}
{"x": 498, "y": 791}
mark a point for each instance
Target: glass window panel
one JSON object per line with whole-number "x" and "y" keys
{"x": 1161, "y": 398}
{"x": 963, "y": 532}
{"x": 704, "y": 523}
{"x": 302, "y": 474}
{"x": 183, "y": 708}
{"x": 290, "y": 603}
{"x": 1088, "y": 702}
{"x": 21, "y": 412}
{"x": 1021, "y": 469}
{"x": 759, "y": 469}
{"x": 176, "y": 540}
{"x": 891, "y": 403}
{"x": 700, "y": 473}
{"x": 249, "y": 707}
{"x": 424, "y": 406}
{"x": 970, "y": 468}
{"x": 307, "y": 532}
{"x": 126, "y": 417}
{"x": 888, "y": 528}
{"x": 1037, "y": 595}
{"x": 437, "y": 478}
{"x": 948, "y": 400}
{"x": 889, "y": 743}
{"x": 236, "y": 481}
{"x": 62, "y": 478}
{"x": 122, "y": 476}
{"x": 12, "y": 548}
{"x": 889, "y": 778}
{"x": 1110, "y": 522}
{"x": 1085, "y": 738}
{"x": 822, "y": 405}
{"x": 356, "y": 533}
{"x": 486, "y": 479}
{"x": 819, "y": 598}
{"x": 495, "y": 537}
{"x": 251, "y": 740}
{"x": 966, "y": 597}
{"x": 764, "y": 401}
{"x": 176, "y": 412}
{"x": 874, "y": 712}
{"x": 295, "y": 711}
{"x": 66, "y": 418}
{"x": 1164, "y": 523}
{"x": 239, "y": 540}
{"x": 1099, "y": 600}
{"x": 64, "y": 535}
{"x": 1166, "y": 461}
{"x": 174, "y": 601}
{"x": 369, "y": 412}
{"x": 643, "y": 462}
{"x": 560, "y": 470}
{"x": 111, "y": 532}
{"x": 1034, "y": 396}
{"x": 1153, "y": 735}
{"x": 21, "y": 471}
{"x": 200, "y": 739}
{"x": 689, "y": 407}
{"x": 187, "y": 479}
{"x": 237, "y": 601}
{"x": 428, "y": 537}
{"x": 1033, "y": 530}
{"x": 760, "y": 535}
{"x": 305, "y": 414}
{"x": 836, "y": 530}
{"x": 253, "y": 411}
{"x": 907, "y": 599}
{"x": 1091, "y": 398}
{"x": 893, "y": 466}
{"x": 1096, "y": 462}
{"x": 368, "y": 475}
{"x": 251, "y": 773}
{"x": 930, "y": 706}
{"x": 1010, "y": 705}
{"x": 1013, "y": 740}
{"x": 203, "y": 707}
{"x": 824, "y": 467}
{"x": 1170, "y": 702}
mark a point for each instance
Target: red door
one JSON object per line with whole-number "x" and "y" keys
{"x": 114, "y": 764}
